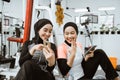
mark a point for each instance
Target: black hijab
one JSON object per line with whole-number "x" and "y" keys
{"x": 37, "y": 26}
{"x": 72, "y": 24}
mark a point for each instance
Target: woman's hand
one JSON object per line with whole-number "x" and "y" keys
{"x": 36, "y": 47}
{"x": 73, "y": 48}
{"x": 49, "y": 55}
{"x": 72, "y": 53}
{"x": 91, "y": 54}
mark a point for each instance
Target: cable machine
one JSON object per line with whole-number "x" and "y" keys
{"x": 90, "y": 19}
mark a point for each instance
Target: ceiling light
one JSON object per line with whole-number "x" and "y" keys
{"x": 106, "y": 8}
{"x": 81, "y": 10}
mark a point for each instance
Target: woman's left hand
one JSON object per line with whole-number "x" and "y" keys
{"x": 49, "y": 55}
{"x": 91, "y": 54}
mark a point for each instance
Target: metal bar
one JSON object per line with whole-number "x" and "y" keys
{"x": 28, "y": 20}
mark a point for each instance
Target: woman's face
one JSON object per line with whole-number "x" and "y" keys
{"x": 45, "y": 31}
{"x": 70, "y": 34}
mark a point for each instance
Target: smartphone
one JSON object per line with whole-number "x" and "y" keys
{"x": 46, "y": 43}
{"x": 90, "y": 49}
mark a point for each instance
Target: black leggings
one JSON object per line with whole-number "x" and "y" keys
{"x": 100, "y": 58}
{"x": 31, "y": 71}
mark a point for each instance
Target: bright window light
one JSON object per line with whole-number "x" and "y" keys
{"x": 106, "y": 8}
{"x": 77, "y": 20}
{"x": 81, "y": 10}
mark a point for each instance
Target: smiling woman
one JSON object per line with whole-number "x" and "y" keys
{"x": 37, "y": 61}
{"x": 72, "y": 62}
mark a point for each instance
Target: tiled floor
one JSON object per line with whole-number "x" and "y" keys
{"x": 10, "y": 73}
{"x": 5, "y": 70}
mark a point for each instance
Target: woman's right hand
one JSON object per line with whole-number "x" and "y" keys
{"x": 36, "y": 47}
{"x": 73, "y": 47}
{"x": 72, "y": 53}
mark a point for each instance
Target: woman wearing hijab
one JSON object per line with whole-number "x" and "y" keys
{"x": 72, "y": 62}
{"x": 38, "y": 56}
